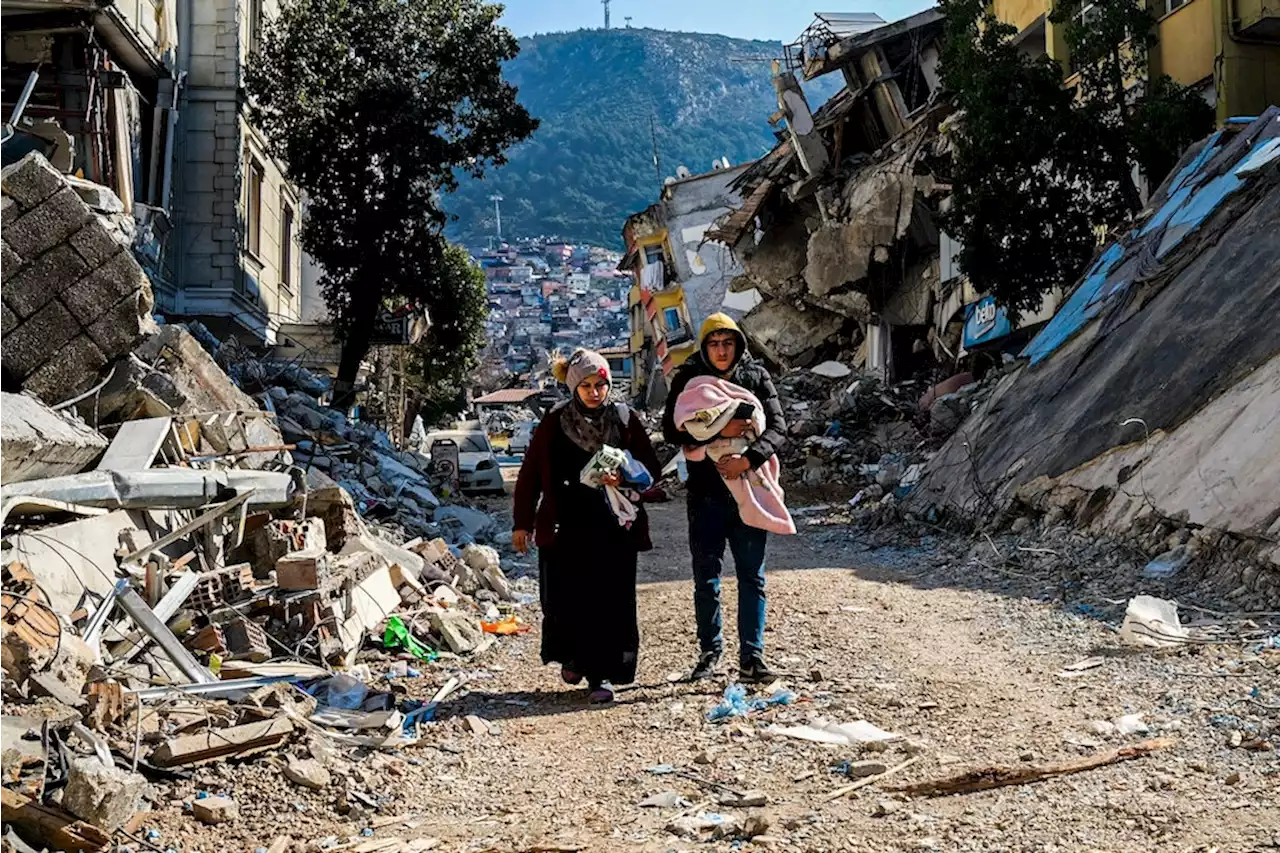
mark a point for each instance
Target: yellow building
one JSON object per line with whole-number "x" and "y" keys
{"x": 1228, "y": 49}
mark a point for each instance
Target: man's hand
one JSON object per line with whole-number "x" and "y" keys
{"x": 733, "y": 467}
{"x": 735, "y": 428}
{"x": 520, "y": 541}
{"x": 611, "y": 479}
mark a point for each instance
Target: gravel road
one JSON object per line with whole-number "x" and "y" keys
{"x": 969, "y": 677}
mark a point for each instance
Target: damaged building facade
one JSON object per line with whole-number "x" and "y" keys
{"x": 145, "y": 97}
{"x": 1123, "y": 423}
{"x": 837, "y": 231}
{"x": 680, "y": 275}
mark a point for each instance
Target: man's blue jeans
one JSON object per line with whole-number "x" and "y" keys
{"x": 714, "y": 522}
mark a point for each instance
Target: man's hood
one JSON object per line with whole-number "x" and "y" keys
{"x": 722, "y": 323}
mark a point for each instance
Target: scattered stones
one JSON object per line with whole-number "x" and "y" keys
{"x": 215, "y": 810}
{"x": 104, "y": 796}
{"x": 307, "y": 772}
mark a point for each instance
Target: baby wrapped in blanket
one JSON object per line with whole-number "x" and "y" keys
{"x": 703, "y": 410}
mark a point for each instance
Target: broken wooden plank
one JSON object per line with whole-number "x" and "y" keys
{"x": 45, "y": 826}
{"x": 870, "y": 780}
{"x": 1001, "y": 777}
{"x": 217, "y": 744}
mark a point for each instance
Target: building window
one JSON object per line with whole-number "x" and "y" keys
{"x": 1170, "y": 5}
{"x": 652, "y": 255}
{"x": 286, "y": 243}
{"x": 253, "y": 205}
{"x": 255, "y": 24}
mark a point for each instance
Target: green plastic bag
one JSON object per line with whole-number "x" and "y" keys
{"x": 397, "y": 636}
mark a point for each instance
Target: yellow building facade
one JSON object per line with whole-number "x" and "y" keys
{"x": 1228, "y": 49}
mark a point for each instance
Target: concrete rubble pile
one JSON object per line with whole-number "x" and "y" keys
{"x": 187, "y": 575}
{"x": 850, "y": 431}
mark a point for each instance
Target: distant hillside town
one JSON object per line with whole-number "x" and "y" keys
{"x": 546, "y": 295}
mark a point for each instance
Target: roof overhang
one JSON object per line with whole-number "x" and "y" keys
{"x": 126, "y": 48}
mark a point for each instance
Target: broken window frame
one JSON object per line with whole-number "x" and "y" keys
{"x": 255, "y": 25}
{"x": 287, "y": 216}
{"x": 254, "y": 178}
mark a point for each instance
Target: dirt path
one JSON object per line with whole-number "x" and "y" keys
{"x": 970, "y": 677}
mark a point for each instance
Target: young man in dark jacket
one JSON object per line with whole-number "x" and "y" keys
{"x": 713, "y": 515}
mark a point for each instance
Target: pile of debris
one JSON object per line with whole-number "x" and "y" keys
{"x": 852, "y": 430}
{"x": 182, "y": 583}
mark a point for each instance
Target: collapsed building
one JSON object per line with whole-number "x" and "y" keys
{"x": 837, "y": 231}
{"x": 200, "y": 560}
{"x": 1148, "y": 405}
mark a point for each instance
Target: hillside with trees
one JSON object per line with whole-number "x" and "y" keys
{"x": 604, "y": 97}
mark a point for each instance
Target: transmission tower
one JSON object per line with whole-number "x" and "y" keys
{"x": 628, "y": 20}
{"x": 605, "y": 3}
{"x": 497, "y": 215}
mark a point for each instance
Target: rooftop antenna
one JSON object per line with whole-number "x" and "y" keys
{"x": 628, "y": 20}
{"x": 605, "y": 3}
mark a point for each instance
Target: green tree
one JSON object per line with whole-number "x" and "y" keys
{"x": 1031, "y": 177}
{"x": 1148, "y": 123}
{"x": 1037, "y": 167}
{"x": 374, "y": 106}
{"x": 442, "y": 364}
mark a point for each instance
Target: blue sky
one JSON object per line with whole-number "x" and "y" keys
{"x": 773, "y": 20}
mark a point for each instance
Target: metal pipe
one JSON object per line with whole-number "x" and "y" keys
{"x": 20, "y": 107}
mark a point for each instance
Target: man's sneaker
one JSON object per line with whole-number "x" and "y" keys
{"x": 753, "y": 671}
{"x": 706, "y": 666}
{"x": 601, "y": 694}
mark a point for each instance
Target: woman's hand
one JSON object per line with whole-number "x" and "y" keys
{"x": 520, "y": 541}
{"x": 613, "y": 479}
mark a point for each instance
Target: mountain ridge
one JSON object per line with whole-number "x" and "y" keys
{"x": 597, "y": 93}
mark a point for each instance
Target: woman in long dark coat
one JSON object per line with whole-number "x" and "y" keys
{"x": 586, "y": 557}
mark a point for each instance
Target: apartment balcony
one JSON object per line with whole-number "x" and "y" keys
{"x": 1258, "y": 19}
{"x": 140, "y": 34}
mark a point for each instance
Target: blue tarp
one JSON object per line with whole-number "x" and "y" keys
{"x": 1192, "y": 196}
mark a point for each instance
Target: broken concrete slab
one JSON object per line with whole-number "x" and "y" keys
{"x": 104, "y": 796}
{"x": 484, "y": 561}
{"x": 785, "y": 334}
{"x": 37, "y": 442}
{"x": 79, "y": 557}
{"x": 460, "y": 631}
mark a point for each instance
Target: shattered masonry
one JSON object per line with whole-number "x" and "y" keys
{"x": 74, "y": 297}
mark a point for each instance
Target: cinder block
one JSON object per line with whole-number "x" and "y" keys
{"x": 47, "y": 225}
{"x": 43, "y": 279}
{"x": 30, "y": 181}
{"x": 123, "y": 325}
{"x": 37, "y": 340}
{"x": 98, "y": 293}
{"x": 95, "y": 243}
{"x": 75, "y": 369}
{"x": 10, "y": 263}
{"x": 10, "y": 210}
{"x": 10, "y": 320}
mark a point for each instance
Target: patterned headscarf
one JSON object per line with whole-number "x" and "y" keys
{"x": 588, "y": 428}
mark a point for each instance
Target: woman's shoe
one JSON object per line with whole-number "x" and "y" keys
{"x": 601, "y": 694}
{"x": 569, "y": 676}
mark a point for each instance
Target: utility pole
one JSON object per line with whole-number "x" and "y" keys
{"x": 605, "y": 3}
{"x": 497, "y": 216}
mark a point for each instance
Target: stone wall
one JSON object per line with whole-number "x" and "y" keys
{"x": 74, "y": 298}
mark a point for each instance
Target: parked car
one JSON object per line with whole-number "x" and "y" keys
{"x": 478, "y": 469}
{"x": 521, "y": 437}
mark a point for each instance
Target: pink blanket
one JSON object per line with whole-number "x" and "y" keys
{"x": 702, "y": 410}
